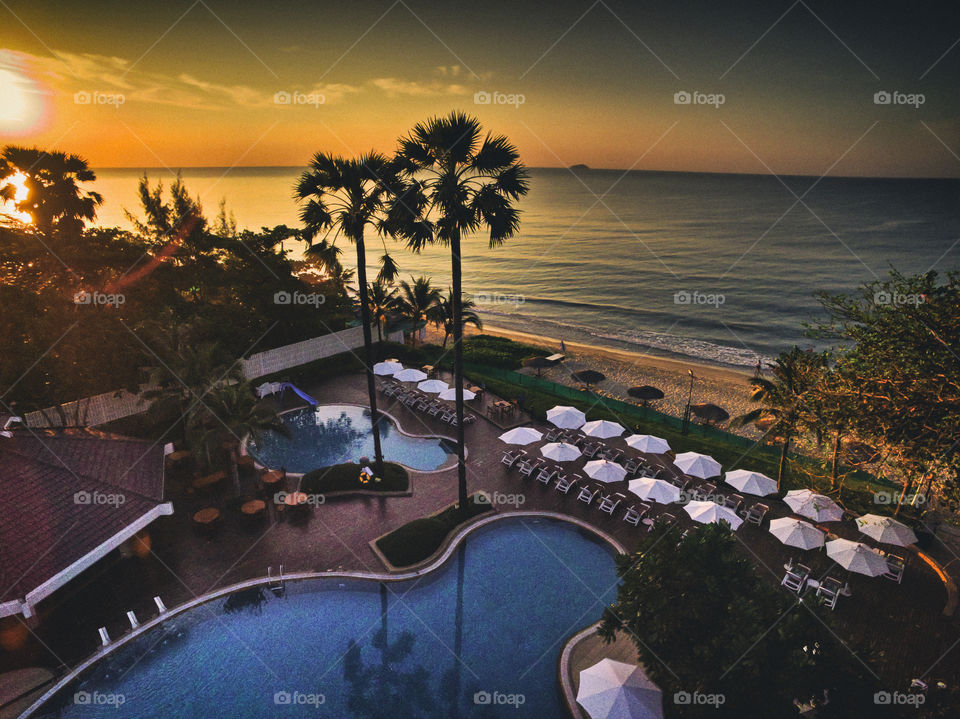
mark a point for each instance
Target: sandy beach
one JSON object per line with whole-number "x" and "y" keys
{"x": 726, "y": 388}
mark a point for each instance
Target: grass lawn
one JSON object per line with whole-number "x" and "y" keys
{"x": 417, "y": 540}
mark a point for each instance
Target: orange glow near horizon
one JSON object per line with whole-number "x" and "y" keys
{"x": 19, "y": 182}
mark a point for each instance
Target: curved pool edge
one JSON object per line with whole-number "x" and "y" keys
{"x": 566, "y": 682}
{"x": 400, "y": 576}
{"x": 396, "y": 422}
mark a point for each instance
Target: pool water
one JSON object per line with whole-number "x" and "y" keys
{"x": 490, "y": 623}
{"x": 332, "y": 434}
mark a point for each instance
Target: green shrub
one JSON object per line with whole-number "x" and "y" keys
{"x": 346, "y": 477}
{"x": 417, "y": 540}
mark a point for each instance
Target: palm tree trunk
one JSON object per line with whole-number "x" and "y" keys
{"x": 782, "y": 469}
{"x": 458, "y": 366}
{"x": 368, "y": 354}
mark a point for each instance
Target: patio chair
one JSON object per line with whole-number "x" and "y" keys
{"x": 566, "y": 482}
{"x": 733, "y": 502}
{"x": 552, "y": 435}
{"x": 510, "y": 458}
{"x": 547, "y": 474}
{"x": 632, "y": 466}
{"x": 612, "y": 455}
{"x": 390, "y": 390}
{"x": 895, "y": 567}
{"x": 434, "y": 409}
{"x": 796, "y": 579}
{"x": 447, "y": 416}
{"x": 657, "y": 472}
{"x": 756, "y": 513}
{"x": 610, "y": 503}
{"x": 633, "y": 515}
{"x": 587, "y": 494}
{"x": 528, "y": 467}
{"x": 829, "y": 591}
{"x": 412, "y": 400}
{"x": 469, "y": 418}
{"x": 423, "y": 405}
{"x": 590, "y": 450}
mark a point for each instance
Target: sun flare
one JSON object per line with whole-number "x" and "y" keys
{"x": 20, "y": 192}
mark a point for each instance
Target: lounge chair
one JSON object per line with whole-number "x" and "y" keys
{"x": 796, "y": 579}
{"x": 510, "y": 458}
{"x": 104, "y": 637}
{"x": 895, "y": 567}
{"x": 423, "y": 405}
{"x": 590, "y": 450}
{"x": 610, "y": 503}
{"x": 447, "y": 416}
{"x": 633, "y": 515}
{"x": 551, "y": 435}
{"x": 566, "y": 482}
{"x": 390, "y": 390}
{"x": 412, "y": 400}
{"x": 612, "y": 455}
{"x": 632, "y": 466}
{"x": 547, "y": 474}
{"x": 587, "y": 494}
{"x": 528, "y": 467}
{"x": 733, "y": 502}
{"x": 756, "y": 513}
{"x": 829, "y": 590}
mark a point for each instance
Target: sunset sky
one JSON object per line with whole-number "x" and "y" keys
{"x": 185, "y": 84}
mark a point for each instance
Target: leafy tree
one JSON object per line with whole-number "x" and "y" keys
{"x": 54, "y": 198}
{"x": 703, "y": 620}
{"x": 899, "y": 360}
{"x": 456, "y": 182}
{"x": 418, "y": 301}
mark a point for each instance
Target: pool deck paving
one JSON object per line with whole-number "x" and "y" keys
{"x": 903, "y": 621}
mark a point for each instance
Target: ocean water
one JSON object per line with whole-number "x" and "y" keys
{"x": 719, "y": 268}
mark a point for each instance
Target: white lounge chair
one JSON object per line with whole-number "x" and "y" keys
{"x": 796, "y": 579}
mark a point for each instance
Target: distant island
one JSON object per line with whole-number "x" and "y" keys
{"x": 579, "y": 167}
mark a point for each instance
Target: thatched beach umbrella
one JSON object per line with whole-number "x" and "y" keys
{"x": 538, "y": 363}
{"x": 645, "y": 393}
{"x": 588, "y": 376}
{"x": 710, "y": 412}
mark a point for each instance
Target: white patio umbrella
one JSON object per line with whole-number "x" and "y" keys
{"x": 856, "y": 557}
{"x": 796, "y": 533}
{"x": 603, "y": 470}
{"x": 613, "y": 690}
{"x": 387, "y": 369}
{"x": 411, "y": 375}
{"x": 886, "y": 529}
{"x": 656, "y": 490}
{"x": 602, "y": 428}
{"x": 697, "y": 465}
{"x": 433, "y": 386}
{"x": 560, "y": 451}
{"x": 566, "y": 417}
{"x": 452, "y": 394}
{"x": 751, "y": 482}
{"x": 709, "y": 512}
{"x": 808, "y": 503}
{"x": 521, "y": 435}
{"x": 648, "y": 443}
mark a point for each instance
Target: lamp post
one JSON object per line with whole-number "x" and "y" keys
{"x": 686, "y": 412}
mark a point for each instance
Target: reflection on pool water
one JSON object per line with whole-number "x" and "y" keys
{"x": 505, "y": 603}
{"x": 332, "y": 434}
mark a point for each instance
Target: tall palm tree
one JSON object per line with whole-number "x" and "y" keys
{"x": 442, "y": 316}
{"x": 54, "y": 197}
{"x": 345, "y": 196}
{"x": 418, "y": 301}
{"x": 383, "y": 300}
{"x": 228, "y": 413}
{"x": 457, "y": 182}
{"x": 786, "y": 398}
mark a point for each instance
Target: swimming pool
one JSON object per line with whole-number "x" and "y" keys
{"x": 505, "y": 602}
{"x": 336, "y": 433}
